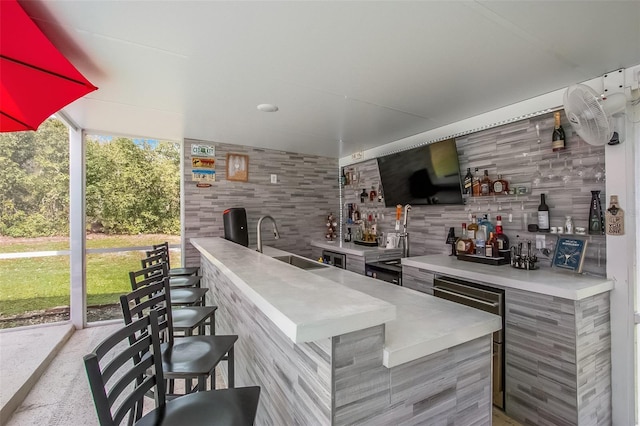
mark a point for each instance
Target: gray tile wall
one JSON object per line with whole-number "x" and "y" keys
{"x": 295, "y": 379}
{"x": 307, "y": 190}
{"x": 341, "y": 381}
{"x": 558, "y": 359}
{"x": 513, "y": 151}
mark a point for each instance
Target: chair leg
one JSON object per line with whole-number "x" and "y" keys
{"x": 231, "y": 369}
{"x": 202, "y": 383}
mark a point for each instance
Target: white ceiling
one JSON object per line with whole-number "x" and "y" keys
{"x": 347, "y": 76}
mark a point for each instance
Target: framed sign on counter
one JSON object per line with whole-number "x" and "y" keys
{"x": 570, "y": 254}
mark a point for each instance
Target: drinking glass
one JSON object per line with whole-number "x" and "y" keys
{"x": 565, "y": 173}
{"x": 581, "y": 170}
{"x": 536, "y": 179}
{"x": 550, "y": 173}
{"x": 598, "y": 172}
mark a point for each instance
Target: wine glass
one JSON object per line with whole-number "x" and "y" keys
{"x": 565, "y": 173}
{"x": 550, "y": 173}
{"x": 599, "y": 173}
{"x": 536, "y": 179}
{"x": 581, "y": 170}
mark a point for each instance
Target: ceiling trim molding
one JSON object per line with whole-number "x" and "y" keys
{"x": 522, "y": 110}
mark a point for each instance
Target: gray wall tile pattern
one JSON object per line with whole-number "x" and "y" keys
{"x": 558, "y": 361}
{"x": 295, "y": 380}
{"x": 341, "y": 381}
{"x": 306, "y": 192}
{"x": 513, "y": 151}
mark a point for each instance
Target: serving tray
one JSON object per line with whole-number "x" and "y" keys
{"x": 496, "y": 261}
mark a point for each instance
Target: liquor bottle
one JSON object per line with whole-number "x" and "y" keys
{"x": 460, "y": 242}
{"x": 475, "y": 184}
{"x": 500, "y": 186}
{"x": 480, "y": 247}
{"x": 485, "y": 184}
{"x": 557, "y": 140}
{"x": 472, "y": 229}
{"x": 372, "y": 194}
{"x": 364, "y": 195}
{"x": 464, "y": 244}
{"x": 501, "y": 238}
{"x": 484, "y": 224}
{"x": 543, "y": 215}
{"x": 491, "y": 246}
{"x": 467, "y": 182}
{"x": 356, "y": 213}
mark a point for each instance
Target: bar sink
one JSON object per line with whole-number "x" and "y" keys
{"x": 300, "y": 262}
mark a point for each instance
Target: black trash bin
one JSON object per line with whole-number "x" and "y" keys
{"x": 235, "y": 225}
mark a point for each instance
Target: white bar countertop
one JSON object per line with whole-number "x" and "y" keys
{"x": 318, "y": 303}
{"x": 547, "y": 281}
{"x": 353, "y": 248}
{"x": 306, "y": 307}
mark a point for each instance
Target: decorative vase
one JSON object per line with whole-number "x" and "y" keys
{"x": 596, "y": 220}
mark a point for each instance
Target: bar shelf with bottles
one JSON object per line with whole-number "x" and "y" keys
{"x": 475, "y": 187}
{"x": 482, "y": 242}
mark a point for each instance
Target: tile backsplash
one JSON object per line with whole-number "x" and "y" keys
{"x": 306, "y": 190}
{"x": 517, "y": 153}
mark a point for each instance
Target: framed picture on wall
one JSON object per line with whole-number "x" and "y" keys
{"x": 237, "y": 167}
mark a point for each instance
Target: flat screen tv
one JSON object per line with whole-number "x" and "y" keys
{"x": 426, "y": 175}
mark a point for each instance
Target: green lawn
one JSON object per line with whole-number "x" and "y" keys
{"x": 40, "y": 283}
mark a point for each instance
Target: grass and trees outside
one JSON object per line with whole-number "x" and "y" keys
{"x": 132, "y": 200}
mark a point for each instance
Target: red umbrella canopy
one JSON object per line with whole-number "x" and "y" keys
{"x": 36, "y": 80}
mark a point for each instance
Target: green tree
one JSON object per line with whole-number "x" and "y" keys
{"x": 34, "y": 183}
{"x": 132, "y": 185}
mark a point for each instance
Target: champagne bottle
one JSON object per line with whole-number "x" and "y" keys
{"x": 467, "y": 182}
{"x": 543, "y": 215}
{"x": 557, "y": 140}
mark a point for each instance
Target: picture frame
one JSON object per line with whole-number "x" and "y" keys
{"x": 237, "y": 167}
{"x": 569, "y": 254}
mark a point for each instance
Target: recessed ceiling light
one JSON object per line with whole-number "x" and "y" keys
{"x": 267, "y": 108}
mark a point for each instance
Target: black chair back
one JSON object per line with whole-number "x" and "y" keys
{"x": 150, "y": 295}
{"x": 154, "y": 257}
{"x": 117, "y": 374}
{"x": 163, "y": 246}
{"x": 153, "y": 269}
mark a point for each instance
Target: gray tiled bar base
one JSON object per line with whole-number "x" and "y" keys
{"x": 558, "y": 359}
{"x": 341, "y": 380}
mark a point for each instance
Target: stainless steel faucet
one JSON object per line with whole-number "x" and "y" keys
{"x": 404, "y": 237}
{"x": 275, "y": 230}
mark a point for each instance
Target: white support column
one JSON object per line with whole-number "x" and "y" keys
{"x": 622, "y": 179}
{"x": 77, "y": 236}
{"x": 183, "y": 239}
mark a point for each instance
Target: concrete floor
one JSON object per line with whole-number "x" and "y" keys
{"x": 60, "y": 395}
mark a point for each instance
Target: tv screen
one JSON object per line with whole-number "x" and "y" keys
{"x": 426, "y": 175}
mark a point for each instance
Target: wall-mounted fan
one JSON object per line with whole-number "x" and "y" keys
{"x": 598, "y": 120}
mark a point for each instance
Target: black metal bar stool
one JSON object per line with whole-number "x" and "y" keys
{"x": 119, "y": 378}
{"x": 176, "y": 272}
{"x": 189, "y": 357}
{"x": 160, "y": 256}
{"x": 187, "y": 307}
